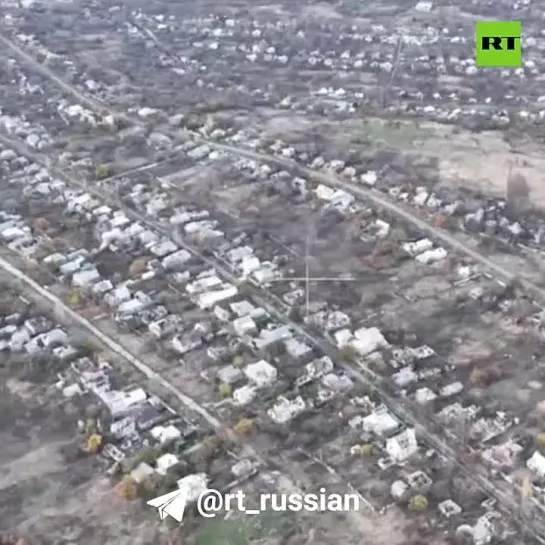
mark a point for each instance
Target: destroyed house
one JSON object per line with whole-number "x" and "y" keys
{"x": 146, "y": 417}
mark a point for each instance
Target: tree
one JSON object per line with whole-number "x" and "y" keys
{"x": 138, "y": 266}
{"x": 91, "y": 426}
{"x": 127, "y": 488}
{"x": 147, "y": 454}
{"x": 212, "y": 445}
{"x": 225, "y": 390}
{"x": 245, "y": 288}
{"x": 478, "y": 377}
{"x": 349, "y": 354}
{"x": 540, "y": 440}
{"x": 41, "y": 226}
{"x": 238, "y": 362}
{"x": 102, "y": 171}
{"x": 296, "y": 314}
{"x": 73, "y": 298}
{"x": 93, "y": 443}
{"x": 150, "y": 486}
{"x": 244, "y": 426}
{"x": 418, "y": 503}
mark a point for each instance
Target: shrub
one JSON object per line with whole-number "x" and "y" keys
{"x": 147, "y": 454}
{"x": 103, "y": 171}
{"x": 93, "y": 443}
{"x": 418, "y": 503}
{"x": 244, "y": 426}
{"x": 73, "y": 298}
{"x": 127, "y": 488}
{"x": 138, "y": 266}
{"x": 238, "y": 362}
{"x": 225, "y": 390}
{"x": 540, "y": 440}
{"x": 349, "y": 354}
{"x": 478, "y": 377}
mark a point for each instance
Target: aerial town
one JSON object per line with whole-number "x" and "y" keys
{"x": 277, "y": 248}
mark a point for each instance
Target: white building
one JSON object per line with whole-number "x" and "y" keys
{"x": 165, "y": 462}
{"x": 195, "y": 484}
{"x": 380, "y": 422}
{"x": 261, "y": 373}
{"x": 402, "y": 446}
{"x": 285, "y": 410}
{"x": 209, "y": 299}
{"x": 244, "y": 395}
{"x": 367, "y": 340}
{"x": 536, "y": 464}
{"x": 119, "y": 402}
{"x": 85, "y": 278}
{"x": 165, "y": 434}
{"x": 244, "y": 326}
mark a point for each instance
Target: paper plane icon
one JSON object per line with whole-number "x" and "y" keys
{"x": 171, "y": 504}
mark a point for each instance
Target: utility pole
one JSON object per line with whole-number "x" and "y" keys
{"x": 307, "y": 275}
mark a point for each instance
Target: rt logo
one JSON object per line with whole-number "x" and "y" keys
{"x": 498, "y": 44}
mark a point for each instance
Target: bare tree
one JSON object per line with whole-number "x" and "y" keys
{"x": 517, "y": 193}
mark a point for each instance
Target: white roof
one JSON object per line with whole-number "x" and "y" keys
{"x": 210, "y": 298}
{"x": 235, "y": 255}
{"x": 203, "y": 284}
{"x": 195, "y": 484}
{"x": 415, "y": 248}
{"x": 261, "y": 373}
{"x": 249, "y": 265}
{"x": 165, "y": 462}
{"x": 380, "y": 422}
{"x": 120, "y": 401}
{"x": 243, "y": 325}
{"x": 403, "y": 445}
{"x": 536, "y": 463}
{"x": 285, "y": 410}
{"x": 141, "y": 472}
{"x": 165, "y": 433}
{"x": 343, "y": 337}
{"x": 432, "y": 256}
{"x": 368, "y": 340}
{"x": 297, "y": 348}
{"x": 163, "y": 248}
{"x": 86, "y": 277}
{"x": 244, "y": 395}
{"x": 176, "y": 259}
{"x": 242, "y": 308}
{"x": 324, "y": 192}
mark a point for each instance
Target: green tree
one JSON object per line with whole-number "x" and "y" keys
{"x": 225, "y": 390}
{"x": 244, "y": 426}
{"x": 540, "y": 440}
{"x": 418, "y": 503}
{"x": 238, "y": 362}
{"x": 102, "y": 171}
{"x": 349, "y": 354}
{"x": 147, "y": 454}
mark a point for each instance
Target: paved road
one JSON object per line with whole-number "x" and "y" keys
{"x": 507, "y": 502}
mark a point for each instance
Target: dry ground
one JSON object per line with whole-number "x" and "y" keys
{"x": 477, "y": 161}
{"x": 48, "y": 493}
